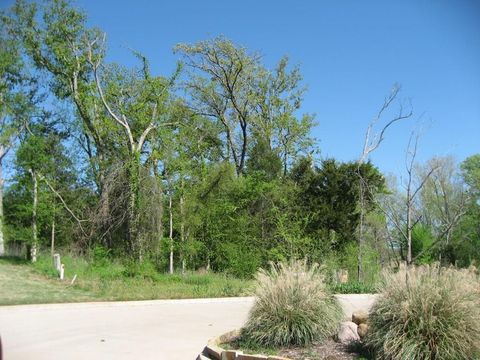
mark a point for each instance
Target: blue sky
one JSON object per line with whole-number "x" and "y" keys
{"x": 350, "y": 54}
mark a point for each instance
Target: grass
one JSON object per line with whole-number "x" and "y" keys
{"x": 24, "y": 283}
{"x": 20, "y": 284}
{"x": 431, "y": 314}
{"x": 250, "y": 348}
{"x": 293, "y": 306}
{"x": 101, "y": 279}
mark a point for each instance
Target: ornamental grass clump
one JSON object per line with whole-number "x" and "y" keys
{"x": 292, "y": 307}
{"x": 434, "y": 313}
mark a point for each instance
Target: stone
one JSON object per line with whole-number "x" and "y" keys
{"x": 347, "y": 333}
{"x": 228, "y": 337}
{"x": 362, "y": 330}
{"x": 360, "y": 317}
{"x": 202, "y": 357}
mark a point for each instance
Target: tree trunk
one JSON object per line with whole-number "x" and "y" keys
{"x": 133, "y": 208}
{"x": 52, "y": 242}
{"x": 2, "y": 239}
{"x": 159, "y": 211}
{"x": 170, "y": 214}
{"x": 360, "y": 227}
{"x": 409, "y": 229}
{"x": 34, "y": 248}
{"x": 182, "y": 231}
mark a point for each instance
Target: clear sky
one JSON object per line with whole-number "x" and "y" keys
{"x": 350, "y": 54}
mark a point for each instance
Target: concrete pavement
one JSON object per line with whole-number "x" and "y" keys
{"x": 158, "y": 329}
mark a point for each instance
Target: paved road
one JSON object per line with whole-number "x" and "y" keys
{"x": 160, "y": 329}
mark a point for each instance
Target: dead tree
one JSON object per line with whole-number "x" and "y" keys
{"x": 371, "y": 143}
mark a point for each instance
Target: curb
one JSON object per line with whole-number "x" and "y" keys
{"x": 213, "y": 351}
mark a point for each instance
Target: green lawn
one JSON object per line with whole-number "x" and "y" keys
{"x": 24, "y": 283}
{"x": 20, "y": 284}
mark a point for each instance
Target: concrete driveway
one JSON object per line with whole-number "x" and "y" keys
{"x": 159, "y": 329}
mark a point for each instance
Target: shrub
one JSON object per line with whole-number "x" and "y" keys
{"x": 433, "y": 315}
{"x": 243, "y": 266}
{"x": 352, "y": 287}
{"x": 143, "y": 270}
{"x": 292, "y": 307}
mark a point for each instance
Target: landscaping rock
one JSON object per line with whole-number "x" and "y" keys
{"x": 360, "y": 317}
{"x": 347, "y": 333}
{"x": 362, "y": 330}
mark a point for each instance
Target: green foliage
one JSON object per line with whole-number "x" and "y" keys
{"x": 330, "y": 193}
{"x": 422, "y": 240}
{"x": 114, "y": 280}
{"x": 470, "y": 168}
{"x": 238, "y": 260}
{"x": 353, "y": 287}
{"x": 292, "y": 306}
{"x": 225, "y": 167}
{"x": 431, "y": 314}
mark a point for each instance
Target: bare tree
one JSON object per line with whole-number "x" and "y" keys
{"x": 406, "y": 215}
{"x": 371, "y": 143}
{"x": 444, "y": 200}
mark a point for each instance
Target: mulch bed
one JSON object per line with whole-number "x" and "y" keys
{"x": 327, "y": 350}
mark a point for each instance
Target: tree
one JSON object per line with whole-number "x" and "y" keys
{"x": 43, "y": 170}
{"x": 330, "y": 194}
{"x": 119, "y": 108}
{"x": 254, "y": 105}
{"x": 466, "y": 249}
{"x": 444, "y": 200}
{"x": 371, "y": 143}
{"x": 404, "y": 210}
{"x": 223, "y": 89}
{"x": 278, "y": 97}
{"x": 18, "y": 96}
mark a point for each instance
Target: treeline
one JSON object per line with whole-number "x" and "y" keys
{"x": 212, "y": 166}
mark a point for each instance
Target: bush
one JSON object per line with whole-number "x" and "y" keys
{"x": 142, "y": 270}
{"x": 243, "y": 266}
{"x": 352, "y": 287}
{"x": 433, "y": 315}
{"x": 292, "y": 307}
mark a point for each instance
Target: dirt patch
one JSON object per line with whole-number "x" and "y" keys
{"x": 327, "y": 350}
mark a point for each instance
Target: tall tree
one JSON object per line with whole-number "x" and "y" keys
{"x": 18, "y": 95}
{"x": 444, "y": 200}
{"x": 119, "y": 108}
{"x": 221, "y": 85}
{"x": 278, "y": 97}
{"x": 372, "y": 142}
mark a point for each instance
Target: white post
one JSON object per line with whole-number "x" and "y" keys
{"x": 56, "y": 262}
{"x": 62, "y": 271}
